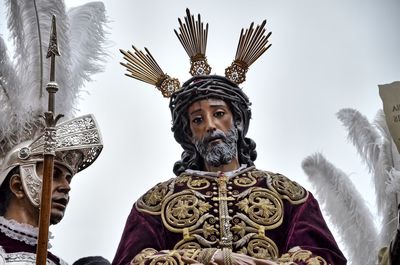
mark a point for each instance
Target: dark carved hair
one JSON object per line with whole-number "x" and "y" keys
{"x": 205, "y": 87}
{"x": 5, "y": 192}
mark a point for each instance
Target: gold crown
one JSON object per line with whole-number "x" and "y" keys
{"x": 253, "y": 42}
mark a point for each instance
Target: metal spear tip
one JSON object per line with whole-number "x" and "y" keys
{"x": 53, "y": 46}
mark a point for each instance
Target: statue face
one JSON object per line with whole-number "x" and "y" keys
{"x": 208, "y": 115}
{"x": 60, "y": 191}
{"x": 213, "y": 133}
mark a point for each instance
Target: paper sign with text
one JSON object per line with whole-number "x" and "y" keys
{"x": 390, "y": 95}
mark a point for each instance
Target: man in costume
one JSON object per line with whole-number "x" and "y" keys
{"x": 220, "y": 209}
{"x": 78, "y": 146}
{"x": 23, "y": 99}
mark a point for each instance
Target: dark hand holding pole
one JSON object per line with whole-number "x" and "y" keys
{"x": 49, "y": 152}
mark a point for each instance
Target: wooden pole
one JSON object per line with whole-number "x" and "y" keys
{"x": 50, "y": 144}
{"x": 45, "y": 209}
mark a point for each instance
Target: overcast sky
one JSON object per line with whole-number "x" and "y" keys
{"x": 325, "y": 55}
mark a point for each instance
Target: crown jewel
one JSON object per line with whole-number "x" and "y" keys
{"x": 253, "y": 42}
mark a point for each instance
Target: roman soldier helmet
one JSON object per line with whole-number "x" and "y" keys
{"x": 78, "y": 145}
{"x": 23, "y": 99}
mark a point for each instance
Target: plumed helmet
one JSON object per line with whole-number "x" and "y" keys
{"x": 78, "y": 144}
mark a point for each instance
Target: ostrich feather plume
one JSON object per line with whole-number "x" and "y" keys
{"x": 376, "y": 148}
{"x": 86, "y": 39}
{"x": 386, "y": 180}
{"x": 24, "y": 75}
{"x": 346, "y": 208}
{"x": 362, "y": 134}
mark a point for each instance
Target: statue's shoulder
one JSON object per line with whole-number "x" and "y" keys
{"x": 285, "y": 187}
{"x": 151, "y": 201}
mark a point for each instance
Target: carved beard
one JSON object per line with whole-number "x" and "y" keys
{"x": 219, "y": 153}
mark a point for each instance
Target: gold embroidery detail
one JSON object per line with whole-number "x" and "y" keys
{"x": 316, "y": 261}
{"x": 243, "y": 251}
{"x": 181, "y": 211}
{"x": 263, "y": 207}
{"x": 182, "y": 179}
{"x": 223, "y": 198}
{"x": 239, "y": 228}
{"x": 198, "y": 184}
{"x": 171, "y": 258}
{"x": 164, "y": 257}
{"x": 245, "y": 180}
{"x": 226, "y": 236}
{"x": 298, "y": 254}
{"x": 186, "y": 234}
{"x": 143, "y": 255}
{"x": 260, "y": 174}
{"x": 204, "y": 207}
{"x": 184, "y": 210}
{"x": 191, "y": 253}
{"x": 288, "y": 189}
{"x": 187, "y": 245}
{"x": 262, "y": 248}
{"x": 261, "y": 230}
{"x": 243, "y": 205}
{"x": 208, "y": 213}
{"x": 150, "y": 202}
{"x": 209, "y": 230}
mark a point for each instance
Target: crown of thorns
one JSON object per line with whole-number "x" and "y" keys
{"x": 253, "y": 42}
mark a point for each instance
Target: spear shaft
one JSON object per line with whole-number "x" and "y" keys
{"x": 49, "y": 153}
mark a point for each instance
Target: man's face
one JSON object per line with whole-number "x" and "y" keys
{"x": 213, "y": 132}
{"x": 60, "y": 191}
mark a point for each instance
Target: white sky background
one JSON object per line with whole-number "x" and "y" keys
{"x": 325, "y": 55}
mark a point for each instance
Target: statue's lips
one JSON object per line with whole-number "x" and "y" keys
{"x": 214, "y": 140}
{"x": 60, "y": 203}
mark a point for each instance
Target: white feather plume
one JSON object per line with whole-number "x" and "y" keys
{"x": 8, "y": 76}
{"x": 377, "y": 149}
{"x": 373, "y": 147}
{"x": 362, "y": 134}
{"x": 26, "y": 78}
{"x": 20, "y": 119}
{"x": 15, "y": 25}
{"x": 374, "y": 144}
{"x": 66, "y": 96}
{"x": 86, "y": 38}
{"x": 346, "y": 208}
{"x": 9, "y": 134}
{"x": 29, "y": 99}
{"x": 386, "y": 176}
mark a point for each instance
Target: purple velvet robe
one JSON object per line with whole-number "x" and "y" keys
{"x": 267, "y": 216}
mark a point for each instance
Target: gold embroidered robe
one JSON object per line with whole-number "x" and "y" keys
{"x": 253, "y": 212}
